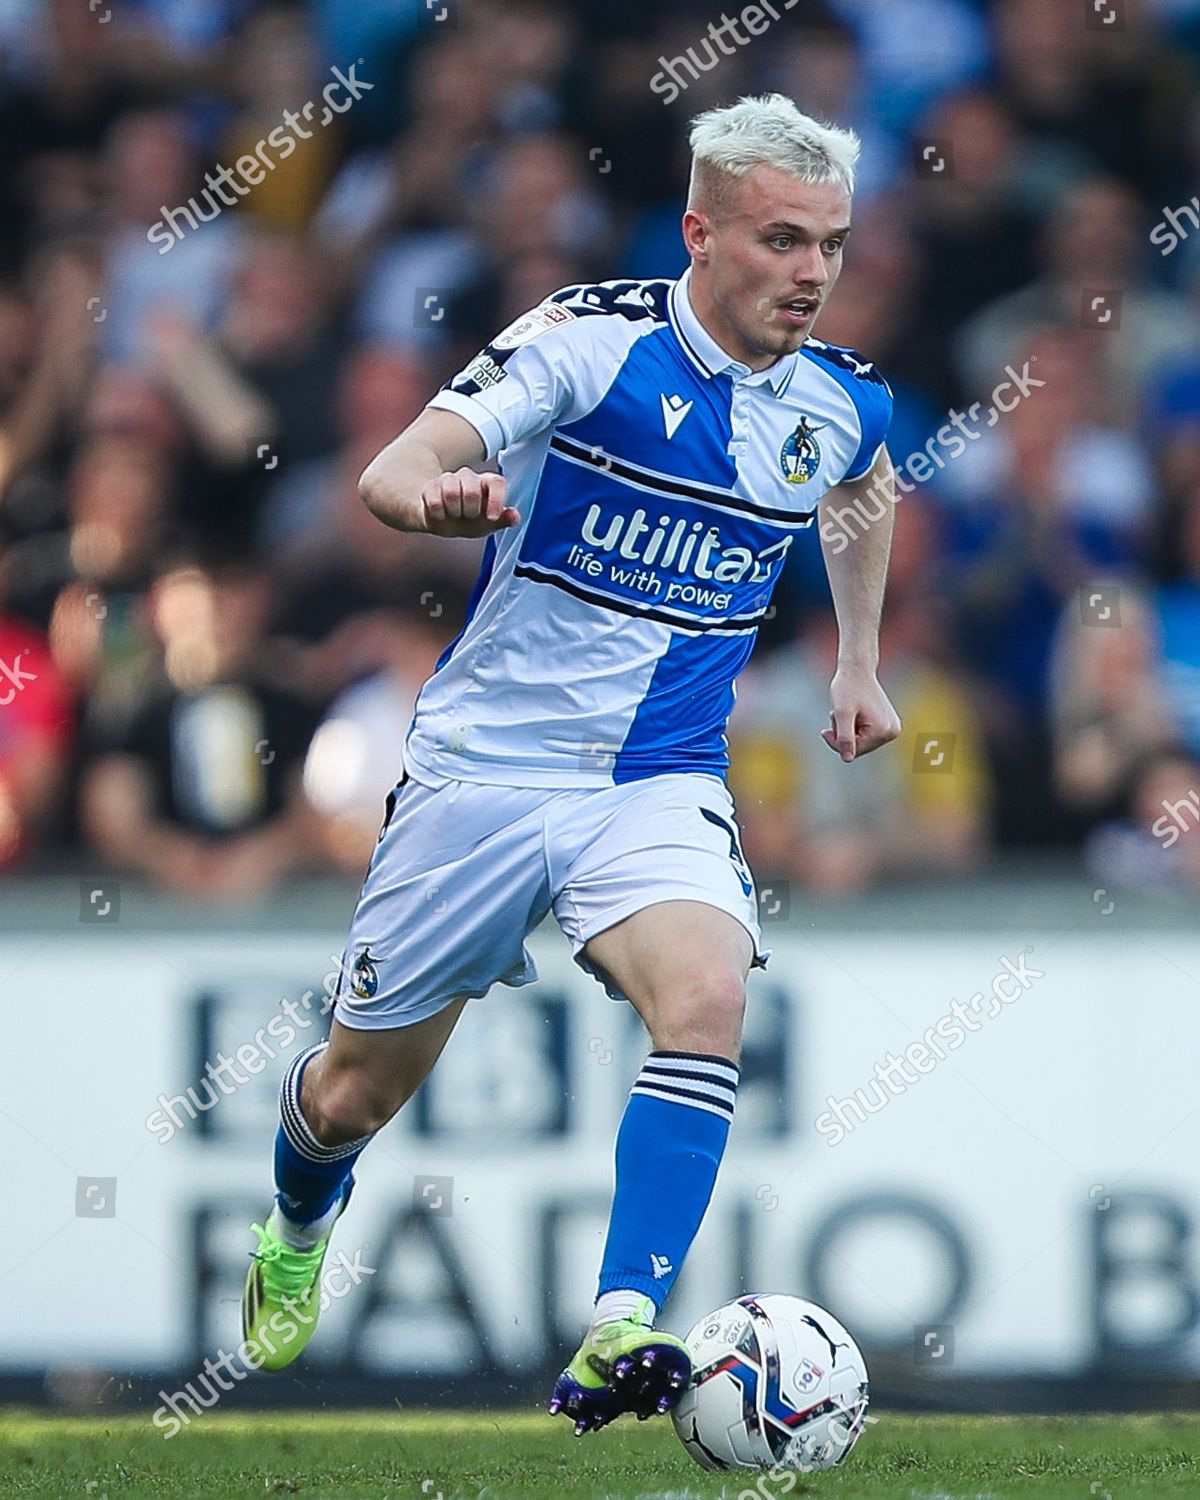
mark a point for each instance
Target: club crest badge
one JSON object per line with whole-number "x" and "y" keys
{"x": 364, "y": 977}
{"x": 800, "y": 456}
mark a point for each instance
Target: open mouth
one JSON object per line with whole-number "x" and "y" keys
{"x": 798, "y": 311}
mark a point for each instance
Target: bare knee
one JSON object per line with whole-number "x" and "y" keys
{"x": 344, "y": 1104}
{"x": 703, "y": 1015}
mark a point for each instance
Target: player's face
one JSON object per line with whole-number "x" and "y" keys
{"x": 766, "y": 265}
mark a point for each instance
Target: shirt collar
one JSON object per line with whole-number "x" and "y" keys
{"x": 706, "y": 354}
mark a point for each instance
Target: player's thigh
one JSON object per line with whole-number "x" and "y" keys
{"x": 658, "y": 902}
{"x": 363, "y": 1077}
{"x": 683, "y": 966}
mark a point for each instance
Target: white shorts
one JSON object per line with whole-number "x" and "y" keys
{"x": 463, "y": 872}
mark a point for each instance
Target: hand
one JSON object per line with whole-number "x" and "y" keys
{"x": 862, "y": 717}
{"x": 467, "y": 504}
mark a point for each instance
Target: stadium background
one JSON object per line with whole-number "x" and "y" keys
{"x": 209, "y": 652}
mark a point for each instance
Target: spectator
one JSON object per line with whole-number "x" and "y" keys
{"x": 505, "y": 293}
{"x": 70, "y": 93}
{"x": 1092, "y": 248}
{"x": 275, "y": 70}
{"x": 399, "y": 223}
{"x": 152, "y": 179}
{"x": 279, "y": 334}
{"x": 913, "y": 54}
{"x": 200, "y": 791}
{"x": 976, "y": 237}
{"x": 1087, "y": 99}
{"x": 1047, "y": 499}
{"x": 1177, "y": 617}
{"x": 1156, "y": 847}
{"x": 356, "y": 755}
{"x": 1109, "y": 705}
{"x": 58, "y": 362}
{"x": 314, "y": 504}
{"x": 36, "y": 734}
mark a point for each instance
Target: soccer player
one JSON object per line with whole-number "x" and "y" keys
{"x": 654, "y": 449}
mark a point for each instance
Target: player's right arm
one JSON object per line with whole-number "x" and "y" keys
{"x": 423, "y": 480}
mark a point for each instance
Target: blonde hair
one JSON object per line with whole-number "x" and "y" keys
{"x": 766, "y": 130}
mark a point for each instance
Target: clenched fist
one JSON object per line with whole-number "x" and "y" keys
{"x": 863, "y": 717}
{"x": 467, "y": 504}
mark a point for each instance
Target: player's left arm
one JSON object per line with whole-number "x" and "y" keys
{"x": 862, "y": 715}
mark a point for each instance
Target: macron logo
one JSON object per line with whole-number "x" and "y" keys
{"x": 674, "y": 410}
{"x": 661, "y": 1264}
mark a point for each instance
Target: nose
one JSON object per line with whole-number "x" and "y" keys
{"x": 811, "y": 268}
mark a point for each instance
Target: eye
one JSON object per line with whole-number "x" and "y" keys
{"x": 831, "y": 247}
{"x": 782, "y": 241}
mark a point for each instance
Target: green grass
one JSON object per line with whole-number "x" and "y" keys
{"x": 417, "y": 1455}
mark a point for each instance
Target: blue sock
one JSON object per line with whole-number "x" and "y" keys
{"x": 309, "y": 1177}
{"x": 669, "y": 1147}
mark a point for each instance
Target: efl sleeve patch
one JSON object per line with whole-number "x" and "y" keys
{"x": 548, "y": 315}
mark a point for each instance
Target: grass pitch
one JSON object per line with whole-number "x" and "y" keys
{"x": 419, "y": 1455}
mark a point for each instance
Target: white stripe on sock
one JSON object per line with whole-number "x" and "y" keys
{"x": 721, "y": 1092}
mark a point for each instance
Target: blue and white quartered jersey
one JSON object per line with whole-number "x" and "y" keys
{"x": 660, "y": 485}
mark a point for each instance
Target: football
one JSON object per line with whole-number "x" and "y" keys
{"x": 777, "y": 1382}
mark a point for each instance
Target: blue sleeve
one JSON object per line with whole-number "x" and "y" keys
{"x": 872, "y": 397}
{"x": 869, "y": 394}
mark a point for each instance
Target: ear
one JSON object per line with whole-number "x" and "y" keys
{"x": 697, "y": 228}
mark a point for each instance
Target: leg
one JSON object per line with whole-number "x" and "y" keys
{"x": 683, "y": 964}
{"x": 363, "y": 1078}
{"x": 334, "y": 1098}
{"x": 410, "y": 963}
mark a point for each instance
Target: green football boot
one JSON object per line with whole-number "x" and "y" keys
{"x": 626, "y": 1365}
{"x": 282, "y": 1298}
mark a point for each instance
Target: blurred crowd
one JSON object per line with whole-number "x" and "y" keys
{"x": 209, "y": 651}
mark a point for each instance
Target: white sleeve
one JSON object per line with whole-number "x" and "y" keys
{"x": 550, "y": 366}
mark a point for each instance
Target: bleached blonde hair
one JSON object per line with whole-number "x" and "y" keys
{"x": 768, "y": 129}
